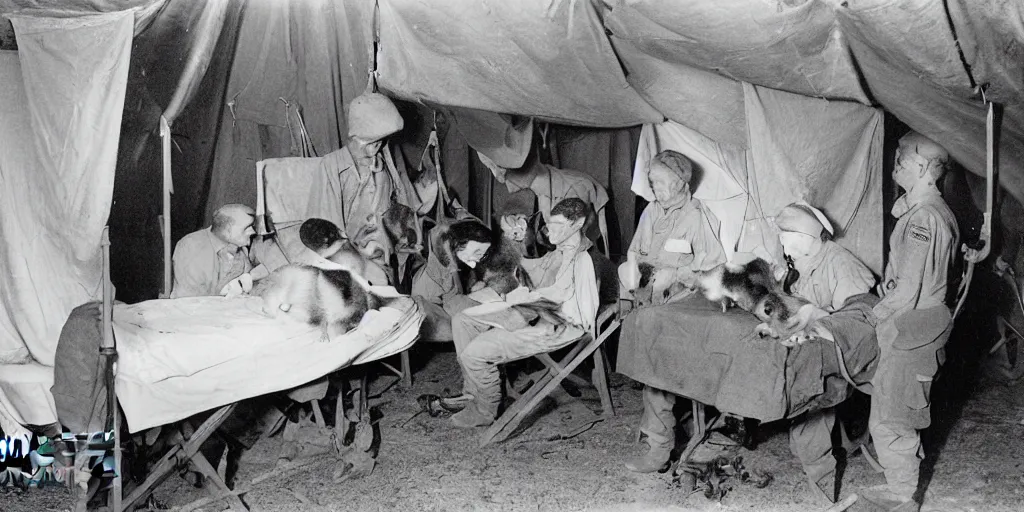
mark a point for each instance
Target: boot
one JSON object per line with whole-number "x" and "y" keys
{"x": 656, "y": 459}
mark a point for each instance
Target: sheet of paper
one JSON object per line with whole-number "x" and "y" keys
{"x": 485, "y": 295}
{"x": 680, "y": 245}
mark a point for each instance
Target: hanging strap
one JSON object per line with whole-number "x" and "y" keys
{"x": 974, "y": 255}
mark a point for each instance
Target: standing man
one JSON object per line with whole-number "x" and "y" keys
{"x": 914, "y": 321}
{"x": 207, "y": 260}
{"x": 366, "y": 182}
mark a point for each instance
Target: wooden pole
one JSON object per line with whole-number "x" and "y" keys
{"x": 108, "y": 351}
{"x": 168, "y": 189}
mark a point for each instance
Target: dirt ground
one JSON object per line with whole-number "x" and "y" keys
{"x": 975, "y": 459}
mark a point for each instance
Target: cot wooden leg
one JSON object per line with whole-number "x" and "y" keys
{"x": 406, "y": 370}
{"x": 178, "y": 455}
{"x": 600, "y": 379}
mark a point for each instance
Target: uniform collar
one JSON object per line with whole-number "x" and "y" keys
{"x": 215, "y": 241}
{"x": 808, "y": 264}
{"x": 912, "y": 199}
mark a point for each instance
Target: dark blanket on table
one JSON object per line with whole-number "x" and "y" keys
{"x": 692, "y": 349}
{"x": 79, "y": 391}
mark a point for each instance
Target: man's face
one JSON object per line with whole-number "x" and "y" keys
{"x": 472, "y": 252}
{"x": 796, "y": 245}
{"x": 367, "y": 148}
{"x": 240, "y": 232}
{"x": 908, "y": 168}
{"x": 560, "y": 228}
{"x": 666, "y": 184}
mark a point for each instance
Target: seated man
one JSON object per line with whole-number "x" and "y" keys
{"x": 437, "y": 287}
{"x": 676, "y": 237}
{"x": 564, "y": 277}
{"x": 207, "y": 260}
{"x": 829, "y": 275}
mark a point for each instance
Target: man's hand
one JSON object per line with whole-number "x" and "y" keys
{"x": 814, "y": 331}
{"x": 240, "y": 285}
{"x": 662, "y": 280}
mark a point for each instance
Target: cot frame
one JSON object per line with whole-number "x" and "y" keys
{"x": 185, "y": 452}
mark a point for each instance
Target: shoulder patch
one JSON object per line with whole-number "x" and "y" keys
{"x": 919, "y": 233}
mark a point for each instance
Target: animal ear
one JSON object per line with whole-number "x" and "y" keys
{"x": 441, "y": 244}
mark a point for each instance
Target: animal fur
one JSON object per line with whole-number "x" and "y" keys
{"x": 400, "y": 225}
{"x": 501, "y": 268}
{"x": 742, "y": 285}
{"x": 644, "y": 293}
{"x": 335, "y": 300}
{"x": 752, "y": 287}
{"x": 783, "y": 315}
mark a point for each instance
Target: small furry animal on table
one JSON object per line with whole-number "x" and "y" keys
{"x": 334, "y": 300}
{"x": 753, "y": 288}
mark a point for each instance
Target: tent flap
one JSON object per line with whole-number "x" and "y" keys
{"x": 55, "y": 209}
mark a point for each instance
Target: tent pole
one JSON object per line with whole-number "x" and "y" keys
{"x": 108, "y": 350}
{"x": 168, "y": 188}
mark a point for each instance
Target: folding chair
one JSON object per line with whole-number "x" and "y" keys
{"x": 589, "y": 345}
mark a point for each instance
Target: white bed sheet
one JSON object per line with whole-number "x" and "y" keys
{"x": 179, "y": 357}
{"x": 25, "y": 397}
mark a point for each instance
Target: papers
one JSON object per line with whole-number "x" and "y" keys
{"x": 679, "y": 245}
{"x": 491, "y": 302}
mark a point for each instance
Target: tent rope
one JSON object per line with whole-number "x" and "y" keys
{"x": 973, "y": 255}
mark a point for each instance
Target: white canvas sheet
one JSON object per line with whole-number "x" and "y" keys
{"x": 179, "y": 357}
{"x": 25, "y": 397}
{"x": 57, "y": 172}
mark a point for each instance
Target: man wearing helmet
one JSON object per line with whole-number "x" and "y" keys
{"x": 914, "y": 321}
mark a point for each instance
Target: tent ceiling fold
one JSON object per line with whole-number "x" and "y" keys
{"x": 530, "y": 57}
{"x": 795, "y": 48}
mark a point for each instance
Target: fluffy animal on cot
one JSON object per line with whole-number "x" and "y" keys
{"x": 753, "y": 288}
{"x": 334, "y": 300}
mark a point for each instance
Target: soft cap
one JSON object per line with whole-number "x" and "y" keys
{"x": 924, "y": 146}
{"x": 803, "y": 218}
{"x": 372, "y": 116}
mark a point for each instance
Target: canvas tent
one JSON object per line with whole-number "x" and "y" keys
{"x": 778, "y": 98}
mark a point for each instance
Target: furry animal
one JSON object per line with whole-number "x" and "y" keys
{"x": 516, "y": 228}
{"x": 335, "y": 300}
{"x": 501, "y": 269}
{"x": 742, "y": 285}
{"x": 783, "y": 315}
{"x": 644, "y": 293}
{"x": 752, "y": 287}
{"x": 400, "y": 225}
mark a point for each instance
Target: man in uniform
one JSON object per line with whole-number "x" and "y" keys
{"x": 914, "y": 321}
{"x": 829, "y": 275}
{"x": 207, "y": 260}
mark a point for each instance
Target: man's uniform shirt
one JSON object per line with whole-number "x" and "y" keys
{"x": 830, "y": 277}
{"x": 203, "y": 264}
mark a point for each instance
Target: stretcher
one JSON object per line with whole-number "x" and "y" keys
{"x": 169, "y": 359}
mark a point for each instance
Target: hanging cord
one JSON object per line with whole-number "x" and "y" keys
{"x": 983, "y": 246}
